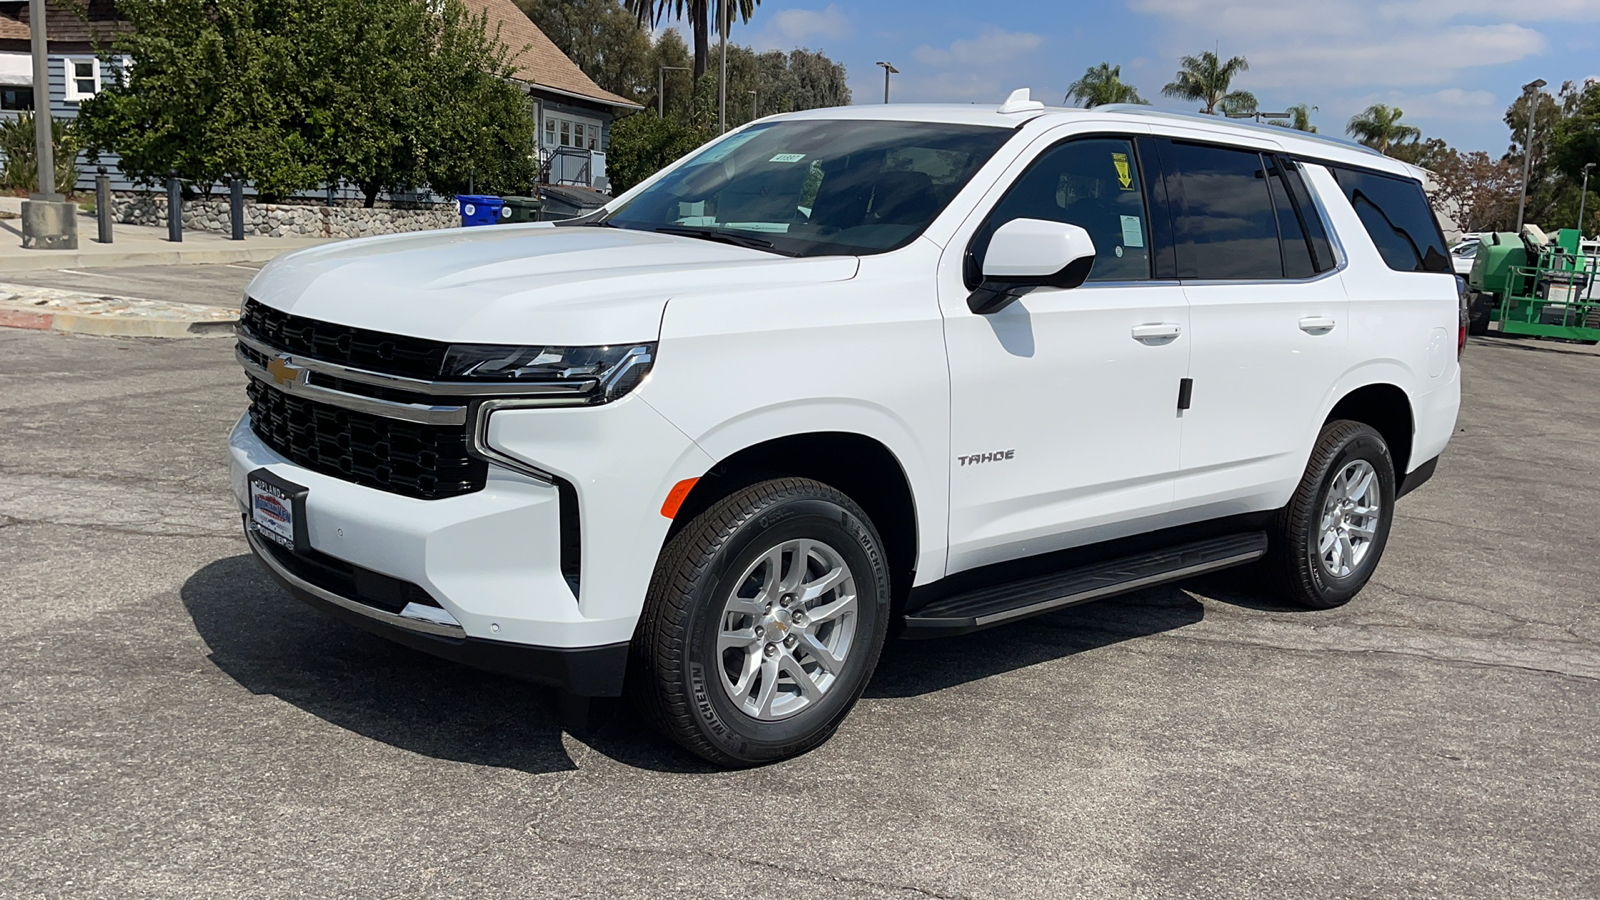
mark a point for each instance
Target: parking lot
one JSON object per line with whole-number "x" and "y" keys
{"x": 171, "y": 724}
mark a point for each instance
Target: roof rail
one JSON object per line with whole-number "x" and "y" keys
{"x": 1142, "y": 110}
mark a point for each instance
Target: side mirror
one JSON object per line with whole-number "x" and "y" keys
{"x": 1029, "y": 253}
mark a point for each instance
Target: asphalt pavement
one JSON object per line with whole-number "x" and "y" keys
{"x": 172, "y": 725}
{"x": 206, "y": 285}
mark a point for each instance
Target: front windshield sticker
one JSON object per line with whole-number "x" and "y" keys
{"x": 788, "y": 157}
{"x": 1132, "y": 232}
{"x": 1124, "y": 174}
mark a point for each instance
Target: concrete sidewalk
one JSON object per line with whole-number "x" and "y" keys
{"x": 135, "y": 245}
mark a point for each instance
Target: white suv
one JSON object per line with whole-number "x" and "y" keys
{"x": 849, "y": 373}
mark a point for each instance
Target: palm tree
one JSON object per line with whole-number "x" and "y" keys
{"x": 1379, "y": 127}
{"x": 1206, "y": 78}
{"x": 705, "y": 18}
{"x": 1103, "y": 84}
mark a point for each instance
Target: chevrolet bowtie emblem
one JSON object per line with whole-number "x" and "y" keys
{"x": 282, "y": 372}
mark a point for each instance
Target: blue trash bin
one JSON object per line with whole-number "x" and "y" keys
{"x": 479, "y": 209}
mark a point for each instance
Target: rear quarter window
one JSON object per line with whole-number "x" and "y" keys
{"x": 1397, "y": 217}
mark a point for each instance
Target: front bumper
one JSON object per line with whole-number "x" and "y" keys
{"x": 584, "y": 671}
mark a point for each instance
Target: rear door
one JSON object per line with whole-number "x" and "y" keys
{"x": 1269, "y": 319}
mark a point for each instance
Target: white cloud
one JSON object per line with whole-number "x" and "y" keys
{"x": 1348, "y": 43}
{"x": 993, "y": 48}
{"x": 1425, "y": 12}
{"x": 790, "y": 28}
{"x": 1456, "y": 104}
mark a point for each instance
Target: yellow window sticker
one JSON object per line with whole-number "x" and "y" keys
{"x": 1124, "y": 174}
{"x": 788, "y": 157}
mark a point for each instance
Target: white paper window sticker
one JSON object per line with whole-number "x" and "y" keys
{"x": 1132, "y": 232}
{"x": 788, "y": 157}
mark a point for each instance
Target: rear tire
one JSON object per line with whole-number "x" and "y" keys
{"x": 763, "y": 623}
{"x": 1326, "y": 543}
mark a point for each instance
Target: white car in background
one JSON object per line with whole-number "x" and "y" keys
{"x": 845, "y": 373}
{"x": 1463, "y": 253}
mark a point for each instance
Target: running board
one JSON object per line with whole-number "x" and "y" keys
{"x": 1014, "y": 600}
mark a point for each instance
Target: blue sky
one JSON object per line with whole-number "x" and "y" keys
{"x": 1452, "y": 65}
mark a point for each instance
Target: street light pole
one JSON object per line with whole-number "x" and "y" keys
{"x": 722, "y": 79}
{"x": 888, "y": 69}
{"x": 1583, "y": 197}
{"x": 661, "y": 88}
{"x": 753, "y": 98}
{"x": 43, "y": 143}
{"x": 1530, "y": 91}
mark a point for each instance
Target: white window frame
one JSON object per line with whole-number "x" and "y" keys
{"x": 73, "y": 95}
{"x": 592, "y": 129}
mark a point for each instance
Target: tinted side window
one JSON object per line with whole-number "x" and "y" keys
{"x": 1222, "y": 217}
{"x": 1398, "y": 218}
{"x": 1316, "y": 235}
{"x": 1093, "y": 183}
{"x": 1291, "y": 231}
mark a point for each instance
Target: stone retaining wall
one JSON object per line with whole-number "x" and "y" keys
{"x": 283, "y": 220}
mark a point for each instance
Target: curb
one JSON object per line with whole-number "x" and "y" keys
{"x": 46, "y": 309}
{"x": 70, "y": 323}
{"x": 56, "y": 259}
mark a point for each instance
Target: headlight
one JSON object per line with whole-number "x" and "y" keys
{"x": 615, "y": 370}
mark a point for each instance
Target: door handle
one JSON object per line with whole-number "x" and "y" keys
{"x": 1317, "y": 324}
{"x": 1160, "y": 331}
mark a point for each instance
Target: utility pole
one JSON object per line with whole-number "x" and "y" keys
{"x": 753, "y": 99}
{"x": 661, "y": 88}
{"x": 888, "y": 69}
{"x": 722, "y": 79}
{"x": 1531, "y": 92}
{"x": 1583, "y": 197}
{"x": 48, "y": 221}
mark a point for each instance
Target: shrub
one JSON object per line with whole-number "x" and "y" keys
{"x": 21, "y": 170}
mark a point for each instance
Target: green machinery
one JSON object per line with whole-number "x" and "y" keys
{"x": 1532, "y": 284}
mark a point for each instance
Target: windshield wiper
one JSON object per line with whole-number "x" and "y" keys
{"x": 725, "y": 237}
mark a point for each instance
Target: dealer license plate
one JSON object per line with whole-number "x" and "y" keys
{"x": 277, "y": 509}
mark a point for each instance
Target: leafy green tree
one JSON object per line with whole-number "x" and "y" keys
{"x": 291, "y": 94}
{"x": 604, "y": 38}
{"x": 705, "y": 18}
{"x": 1207, "y": 79}
{"x": 1428, "y": 154}
{"x": 1575, "y": 138}
{"x": 1101, "y": 85}
{"x": 212, "y": 93}
{"x": 643, "y": 144}
{"x": 1379, "y": 127}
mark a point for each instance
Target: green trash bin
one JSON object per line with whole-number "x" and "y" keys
{"x": 522, "y": 209}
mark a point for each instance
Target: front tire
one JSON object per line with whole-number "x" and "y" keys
{"x": 763, "y": 623}
{"x": 1326, "y": 543}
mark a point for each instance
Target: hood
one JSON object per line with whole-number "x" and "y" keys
{"x": 521, "y": 284}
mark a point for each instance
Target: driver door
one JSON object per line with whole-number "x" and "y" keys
{"x": 1064, "y": 405}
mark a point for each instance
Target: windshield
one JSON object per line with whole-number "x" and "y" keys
{"x": 815, "y": 187}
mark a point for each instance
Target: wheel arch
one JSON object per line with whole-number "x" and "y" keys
{"x": 862, "y": 467}
{"x": 1387, "y": 408}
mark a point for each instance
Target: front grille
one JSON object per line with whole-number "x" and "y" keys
{"x": 425, "y": 461}
{"x": 375, "y": 351}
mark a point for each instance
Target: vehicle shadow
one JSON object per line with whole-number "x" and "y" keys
{"x": 273, "y": 645}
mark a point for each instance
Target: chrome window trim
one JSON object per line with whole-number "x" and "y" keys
{"x": 575, "y": 391}
{"x": 478, "y": 444}
{"x": 434, "y": 624}
{"x": 407, "y": 412}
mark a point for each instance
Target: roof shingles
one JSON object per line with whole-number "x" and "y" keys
{"x": 535, "y": 58}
